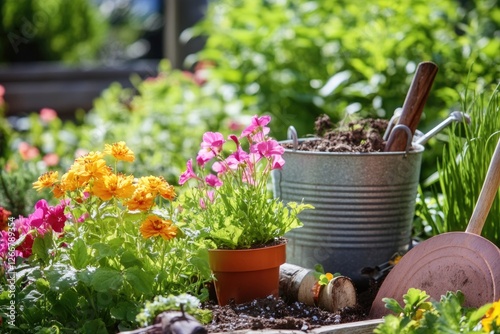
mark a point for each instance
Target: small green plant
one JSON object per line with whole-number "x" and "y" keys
{"x": 184, "y": 302}
{"x": 232, "y": 208}
{"x": 419, "y": 315}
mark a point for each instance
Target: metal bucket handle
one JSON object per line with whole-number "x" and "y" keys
{"x": 292, "y": 134}
{"x": 409, "y": 135}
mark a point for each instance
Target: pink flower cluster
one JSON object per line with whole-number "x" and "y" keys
{"x": 240, "y": 167}
{"x": 261, "y": 147}
{"x": 43, "y": 219}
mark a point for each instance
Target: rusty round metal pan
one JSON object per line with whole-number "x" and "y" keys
{"x": 451, "y": 261}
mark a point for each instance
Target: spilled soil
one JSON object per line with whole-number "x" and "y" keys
{"x": 275, "y": 313}
{"x": 286, "y": 314}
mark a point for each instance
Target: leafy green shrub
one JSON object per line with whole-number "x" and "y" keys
{"x": 45, "y": 30}
{"x": 162, "y": 119}
{"x": 298, "y": 59}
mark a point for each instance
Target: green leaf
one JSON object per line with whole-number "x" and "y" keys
{"x": 128, "y": 259}
{"x": 79, "y": 254}
{"x": 392, "y": 305}
{"x": 125, "y": 310}
{"x": 105, "y": 279}
{"x": 96, "y": 326}
{"x": 61, "y": 277}
{"x": 85, "y": 276}
{"x": 42, "y": 246}
{"x": 140, "y": 280}
{"x": 103, "y": 250}
{"x": 69, "y": 299}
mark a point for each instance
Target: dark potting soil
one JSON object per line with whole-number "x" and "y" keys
{"x": 284, "y": 313}
{"x": 275, "y": 313}
{"x": 362, "y": 136}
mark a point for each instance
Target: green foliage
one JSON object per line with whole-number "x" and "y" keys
{"x": 46, "y": 30}
{"x": 462, "y": 169}
{"x": 298, "y": 59}
{"x": 418, "y": 315}
{"x": 16, "y": 190}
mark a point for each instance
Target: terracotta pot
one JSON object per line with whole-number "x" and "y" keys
{"x": 246, "y": 274}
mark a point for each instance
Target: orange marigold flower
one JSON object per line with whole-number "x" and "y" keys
{"x": 141, "y": 200}
{"x": 154, "y": 226}
{"x": 58, "y": 190}
{"x": 119, "y": 151}
{"x": 157, "y": 186}
{"x": 87, "y": 167}
{"x": 114, "y": 185}
{"x": 46, "y": 180}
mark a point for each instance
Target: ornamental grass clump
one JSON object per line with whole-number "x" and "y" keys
{"x": 111, "y": 244}
{"x": 230, "y": 204}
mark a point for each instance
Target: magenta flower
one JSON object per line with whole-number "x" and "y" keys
{"x": 202, "y": 204}
{"x": 257, "y": 124}
{"x": 213, "y": 141}
{"x": 268, "y": 148}
{"x": 83, "y": 217}
{"x": 277, "y": 162}
{"x": 240, "y": 155}
{"x": 188, "y": 174}
{"x": 56, "y": 218}
{"x": 235, "y": 139}
{"x": 211, "y": 196}
{"x": 4, "y": 244}
{"x": 23, "y": 231}
{"x": 213, "y": 181}
{"x": 204, "y": 156}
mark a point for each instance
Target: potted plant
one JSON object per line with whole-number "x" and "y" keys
{"x": 232, "y": 209}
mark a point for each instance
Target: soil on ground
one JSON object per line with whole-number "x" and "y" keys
{"x": 362, "y": 136}
{"x": 275, "y": 313}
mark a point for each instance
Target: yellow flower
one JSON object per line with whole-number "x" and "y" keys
{"x": 85, "y": 168}
{"x": 46, "y": 180}
{"x": 113, "y": 185}
{"x": 491, "y": 317}
{"x": 72, "y": 180}
{"x": 119, "y": 151}
{"x": 141, "y": 200}
{"x": 157, "y": 186}
{"x": 329, "y": 276}
{"x": 154, "y": 226}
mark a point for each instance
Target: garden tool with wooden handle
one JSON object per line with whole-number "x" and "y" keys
{"x": 413, "y": 106}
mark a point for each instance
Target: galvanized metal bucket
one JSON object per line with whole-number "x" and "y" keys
{"x": 364, "y": 207}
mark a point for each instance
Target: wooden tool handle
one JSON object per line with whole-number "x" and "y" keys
{"x": 487, "y": 195}
{"x": 413, "y": 105}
